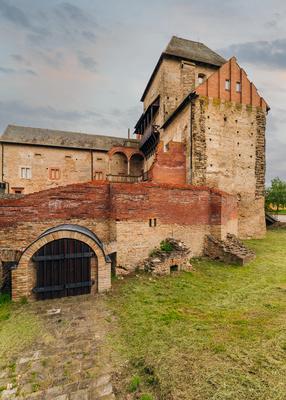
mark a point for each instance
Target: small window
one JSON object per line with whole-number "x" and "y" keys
{"x": 152, "y": 222}
{"x": 68, "y": 156}
{"x": 54, "y": 174}
{"x": 38, "y": 155}
{"x": 166, "y": 147}
{"x": 238, "y": 87}
{"x": 201, "y": 78}
{"x": 227, "y": 84}
{"x": 98, "y": 175}
{"x": 17, "y": 190}
{"x": 99, "y": 159}
{"x": 26, "y": 173}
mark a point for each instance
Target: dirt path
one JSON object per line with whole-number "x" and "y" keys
{"x": 70, "y": 360}
{"x": 281, "y": 218}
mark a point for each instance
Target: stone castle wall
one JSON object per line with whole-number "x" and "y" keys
{"x": 126, "y": 217}
{"x": 228, "y": 152}
{"x": 73, "y": 166}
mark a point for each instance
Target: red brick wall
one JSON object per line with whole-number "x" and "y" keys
{"x": 169, "y": 166}
{"x": 181, "y": 204}
{"x": 89, "y": 200}
{"x": 214, "y": 86}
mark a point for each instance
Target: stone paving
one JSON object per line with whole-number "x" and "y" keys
{"x": 69, "y": 361}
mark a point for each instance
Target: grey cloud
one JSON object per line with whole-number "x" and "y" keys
{"x": 89, "y": 36}
{"x": 21, "y": 113}
{"x": 70, "y": 11}
{"x": 14, "y": 14}
{"x": 30, "y": 72}
{"x": 7, "y": 70}
{"x": 18, "y": 58}
{"x": 19, "y": 18}
{"x": 265, "y": 53}
{"x": 87, "y": 61}
{"x": 17, "y": 71}
{"x": 53, "y": 58}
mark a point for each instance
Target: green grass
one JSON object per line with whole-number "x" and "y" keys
{"x": 216, "y": 333}
{"x": 18, "y": 328}
{"x": 283, "y": 212}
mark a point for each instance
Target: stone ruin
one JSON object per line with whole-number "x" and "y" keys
{"x": 231, "y": 250}
{"x": 175, "y": 256}
{"x": 164, "y": 262}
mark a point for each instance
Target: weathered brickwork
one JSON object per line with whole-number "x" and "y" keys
{"x": 24, "y": 276}
{"x": 170, "y": 164}
{"x": 130, "y": 219}
{"x": 73, "y": 166}
{"x": 41, "y": 164}
{"x": 173, "y": 81}
{"x": 228, "y": 153}
{"x": 260, "y": 153}
{"x": 198, "y": 162}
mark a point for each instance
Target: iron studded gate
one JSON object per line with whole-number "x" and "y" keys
{"x": 63, "y": 268}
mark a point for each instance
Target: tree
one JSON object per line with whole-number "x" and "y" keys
{"x": 276, "y": 195}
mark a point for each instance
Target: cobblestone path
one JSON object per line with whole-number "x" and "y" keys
{"x": 69, "y": 361}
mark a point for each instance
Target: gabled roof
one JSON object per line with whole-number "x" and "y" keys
{"x": 214, "y": 87}
{"x": 194, "y": 51}
{"x": 54, "y": 138}
{"x": 185, "y": 49}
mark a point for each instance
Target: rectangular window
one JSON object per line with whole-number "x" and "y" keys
{"x": 26, "y": 173}
{"x": 238, "y": 87}
{"x": 98, "y": 175}
{"x": 17, "y": 190}
{"x": 152, "y": 222}
{"x": 227, "y": 84}
{"x": 54, "y": 174}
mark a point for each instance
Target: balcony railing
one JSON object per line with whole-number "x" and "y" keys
{"x": 124, "y": 178}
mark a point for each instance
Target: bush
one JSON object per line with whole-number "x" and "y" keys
{"x": 166, "y": 246}
{"x": 146, "y": 397}
{"x": 134, "y": 384}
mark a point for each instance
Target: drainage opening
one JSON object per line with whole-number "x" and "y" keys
{"x": 174, "y": 268}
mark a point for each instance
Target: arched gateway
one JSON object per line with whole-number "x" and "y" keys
{"x": 66, "y": 260}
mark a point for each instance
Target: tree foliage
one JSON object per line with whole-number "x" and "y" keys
{"x": 276, "y": 195}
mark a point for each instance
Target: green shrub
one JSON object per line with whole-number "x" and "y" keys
{"x": 4, "y": 298}
{"x": 134, "y": 384}
{"x": 166, "y": 246}
{"x": 146, "y": 397}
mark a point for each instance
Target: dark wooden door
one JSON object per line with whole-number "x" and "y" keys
{"x": 63, "y": 269}
{"x": 6, "y": 278}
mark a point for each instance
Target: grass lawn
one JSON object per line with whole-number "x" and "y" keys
{"x": 281, "y": 212}
{"x": 216, "y": 333}
{"x": 18, "y": 328}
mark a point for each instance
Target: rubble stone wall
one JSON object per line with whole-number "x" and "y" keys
{"x": 228, "y": 152}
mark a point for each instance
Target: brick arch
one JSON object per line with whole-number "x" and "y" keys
{"x": 24, "y": 276}
{"x": 127, "y": 151}
{"x": 136, "y": 162}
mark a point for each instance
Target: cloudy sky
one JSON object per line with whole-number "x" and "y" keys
{"x": 82, "y": 65}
